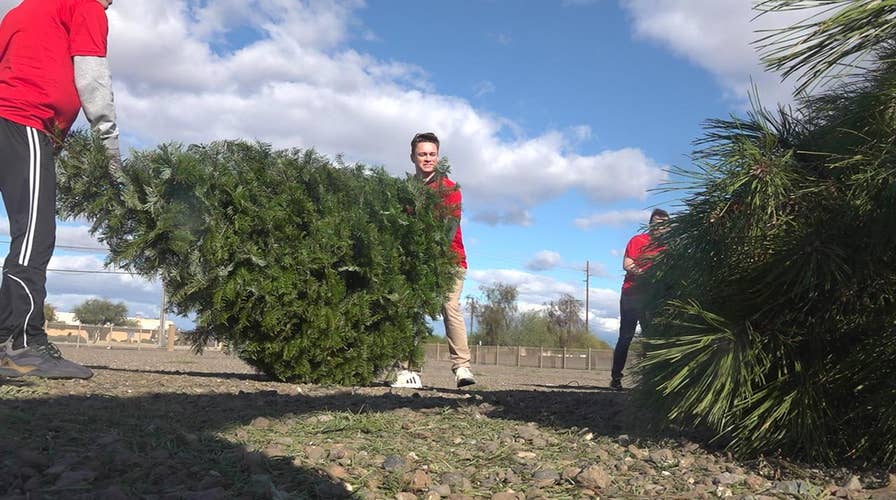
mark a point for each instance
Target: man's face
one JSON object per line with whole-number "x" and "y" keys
{"x": 425, "y": 158}
{"x": 105, "y": 3}
{"x": 657, "y": 225}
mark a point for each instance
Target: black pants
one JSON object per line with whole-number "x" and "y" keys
{"x": 631, "y": 312}
{"x": 28, "y": 186}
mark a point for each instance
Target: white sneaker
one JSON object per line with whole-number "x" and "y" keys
{"x": 408, "y": 379}
{"x": 464, "y": 377}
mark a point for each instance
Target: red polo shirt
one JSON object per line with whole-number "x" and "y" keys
{"x": 451, "y": 200}
{"x": 38, "y": 40}
{"x": 639, "y": 250}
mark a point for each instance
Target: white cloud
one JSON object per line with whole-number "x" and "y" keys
{"x": 544, "y": 260}
{"x": 717, "y": 35}
{"x": 612, "y": 218}
{"x": 296, "y": 83}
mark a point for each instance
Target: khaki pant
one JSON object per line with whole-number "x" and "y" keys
{"x": 455, "y": 328}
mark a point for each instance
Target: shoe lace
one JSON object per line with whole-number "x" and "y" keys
{"x": 51, "y": 350}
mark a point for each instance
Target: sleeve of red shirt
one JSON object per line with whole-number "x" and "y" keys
{"x": 633, "y": 249}
{"x": 89, "y": 31}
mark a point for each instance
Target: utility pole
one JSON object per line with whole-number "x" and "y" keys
{"x": 587, "y": 293}
{"x": 162, "y": 314}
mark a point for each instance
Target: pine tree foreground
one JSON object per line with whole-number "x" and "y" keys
{"x": 311, "y": 271}
{"x": 774, "y": 321}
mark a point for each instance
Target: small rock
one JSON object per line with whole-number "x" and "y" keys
{"x": 333, "y": 490}
{"x": 393, "y": 463}
{"x": 528, "y": 432}
{"x": 254, "y": 461}
{"x": 314, "y": 453}
{"x": 442, "y": 489}
{"x": 72, "y": 478}
{"x": 638, "y": 452}
{"x": 33, "y": 459}
{"x": 663, "y": 458}
{"x": 594, "y": 477}
{"x": 854, "y": 484}
{"x": 545, "y": 478}
{"x": 795, "y": 487}
{"x": 431, "y": 495}
{"x": 273, "y": 451}
{"x": 571, "y": 472}
{"x": 260, "y": 423}
{"x": 508, "y": 495}
{"x": 526, "y": 455}
{"x": 456, "y": 481}
{"x": 336, "y": 472}
{"x": 727, "y": 478}
{"x": 284, "y": 440}
{"x": 419, "y": 481}
{"x": 212, "y": 480}
{"x": 723, "y": 492}
{"x": 755, "y": 482}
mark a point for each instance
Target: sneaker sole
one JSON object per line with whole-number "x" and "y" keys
{"x": 12, "y": 370}
{"x": 464, "y": 382}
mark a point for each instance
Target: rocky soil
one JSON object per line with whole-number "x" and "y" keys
{"x": 170, "y": 425}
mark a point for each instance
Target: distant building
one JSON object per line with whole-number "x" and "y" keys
{"x": 143, "y": 323}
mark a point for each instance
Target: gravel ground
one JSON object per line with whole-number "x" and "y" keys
{"x": 170, "y": 425}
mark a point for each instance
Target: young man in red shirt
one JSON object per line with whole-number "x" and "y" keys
{"x": 638, "y": 256}
{"x": 52, "y": 65}
{"x": 425, "y": 156}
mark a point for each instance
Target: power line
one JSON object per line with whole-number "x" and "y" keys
{"x": 86, "y": 271}
{"x": 71, "y": 247}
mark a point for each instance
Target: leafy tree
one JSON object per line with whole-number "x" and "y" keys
{"x": 97, "y": 313}
{"x": 775, "y": 296}
{"x": 564, "y": 318}
{"x": 49, "y": 312}
{"x": 310, "y": 271}
{"x": 496, "y": 314}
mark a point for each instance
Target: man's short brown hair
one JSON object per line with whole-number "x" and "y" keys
{"x": 424, "y": 137}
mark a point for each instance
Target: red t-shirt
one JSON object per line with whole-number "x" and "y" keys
{"x": 639, "y": 250}
{"x": 451, "y": 199}
{"x": 38, "y": 40}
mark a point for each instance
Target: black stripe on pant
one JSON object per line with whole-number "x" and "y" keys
{"x": 28, "y": 186}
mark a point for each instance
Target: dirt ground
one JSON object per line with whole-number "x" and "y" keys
{"x": 157, "y": 424}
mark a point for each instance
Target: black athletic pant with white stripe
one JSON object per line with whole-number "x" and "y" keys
{"x": 28, "y": 186}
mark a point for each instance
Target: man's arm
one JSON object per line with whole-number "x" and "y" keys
{"x": 630, "y": 266}
{"x": 94, "y": 84}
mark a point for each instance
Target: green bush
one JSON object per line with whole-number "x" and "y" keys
{"x": 774, "y": 320}
{"x": 312, "y": 271}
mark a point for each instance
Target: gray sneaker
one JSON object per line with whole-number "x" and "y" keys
{"x": 39, "y": 361}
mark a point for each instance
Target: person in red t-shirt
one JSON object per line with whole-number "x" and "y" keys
{"x": 638, "y": 255}
{"x": 425, "y": 156}
{"x": 52, "y": 65}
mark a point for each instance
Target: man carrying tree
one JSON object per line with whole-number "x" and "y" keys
{"x": 52, "y": 65}
{"x": 638, "y": 256}
{"x": 425, "y": 157}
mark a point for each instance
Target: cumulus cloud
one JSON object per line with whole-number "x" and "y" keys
{"x": 718, "y": 36}
{"x": 296, "y": 82}
{"x": 612, "y": 218}
{"x": 544, "y": 260}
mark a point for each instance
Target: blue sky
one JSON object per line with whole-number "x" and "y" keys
{"x": 559, "y": 117}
